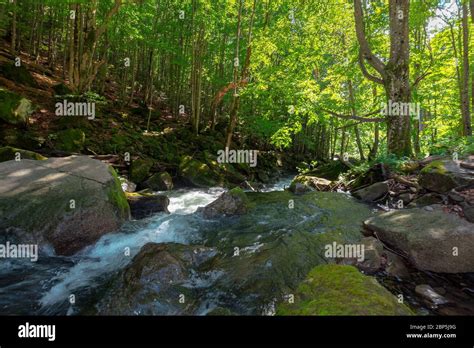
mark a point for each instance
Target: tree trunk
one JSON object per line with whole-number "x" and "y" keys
{"x": 466, "y": 116}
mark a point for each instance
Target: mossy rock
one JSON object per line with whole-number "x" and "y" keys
{"x": 9, "y": 153}
{"x": 342, "y": 290}
{"x": 14, "y": 109}
{"x": 140, "y": 170}
{"x": 330, "y": 171}
{"x": 71, "y": 140}
{"x": 196, "y": 173}
{"x": 444, "y": 175}
{"x": 18, "y": 74}
{"x": 159, "y": 182}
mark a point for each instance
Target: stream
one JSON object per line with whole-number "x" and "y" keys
{"x": 233, "y": 265}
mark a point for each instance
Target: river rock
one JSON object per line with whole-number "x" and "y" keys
{"x": 233, "y": 202}
{"x": 342, "y": 290}
{"x": 443, "y": 175}
{"x": 156, "y": 281}
{"x": 433, "y": 240}
{"x": 140, "y": 170}
{"x": 159, "y": 182}
{"x": 143, "y": 205}
{"x": 196, "y": 173}
{"x": 306, "y": 183}
{"x": 372, "y": 192}
{"x": 68, "y": 203}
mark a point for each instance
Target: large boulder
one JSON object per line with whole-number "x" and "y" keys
{"x": 196, "y": 173}
{"x": 14, "y": 109}
{"x": 342, "y": 290}
{"x": 443, "y": 175}
{"x": 433, "y": 240}
{"x": 67, "y": 203}
{"x": 143, "y": 205}
{"x": 233, "y": 202}
{"x": 373, "y": 192}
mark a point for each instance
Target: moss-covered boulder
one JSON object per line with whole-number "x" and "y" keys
{"x": 8, "y": 153}
{"x": 18, "y": 74}
{"x": 196, "y": 173}
{"x": 306, "y": 183}
{"x": 140, "y": 170}
{"x": 67, "y": 203}
{"x": 159, "y": 182}
{"x": 443, "y": 175}
{"x": 14, "y": 109}
{"x": 330, "y": 171}
{"x": 342, "y": 290}
{"x": 70, "y": 140}
{"x": 233, "y": 202}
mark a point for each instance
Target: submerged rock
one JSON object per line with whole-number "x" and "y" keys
{"x": 68, "y": 203}
{"x": 430, "y": 295}
{"x": 156, "y": 282}
{"x": 342, "y": 290}
{"x": 233, "y": 202}
{"x": 433, "y": 240}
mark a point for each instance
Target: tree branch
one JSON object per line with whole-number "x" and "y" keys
{"x": 365, "y": 72}
{"x": 367, "y": 54}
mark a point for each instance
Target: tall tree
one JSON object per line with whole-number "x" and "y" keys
{"x": 395, "y": 74}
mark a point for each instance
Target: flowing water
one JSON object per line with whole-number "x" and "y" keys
{"x": 46, "y": 286}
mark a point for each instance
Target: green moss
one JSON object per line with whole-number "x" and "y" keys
{"x": 9, "y": 153}
{"x": 140, "y": 170}
{"x": 197, "y": 173}
{"x": 13, "y": 108}
{"x": 342, "y": 290}
{"x": 435, "y": 167}
{"x": 117, "y": 196}
{"x": 71, "y": 140}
